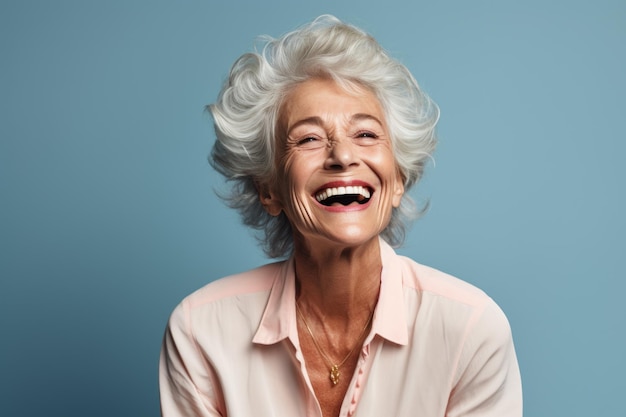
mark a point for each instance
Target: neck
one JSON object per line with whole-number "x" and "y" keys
{"x": 338, "y": 284}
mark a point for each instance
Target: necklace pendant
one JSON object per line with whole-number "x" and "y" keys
{"x": 334, "y": 374}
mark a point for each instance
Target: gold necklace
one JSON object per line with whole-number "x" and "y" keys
{"x": 334, "y": 368}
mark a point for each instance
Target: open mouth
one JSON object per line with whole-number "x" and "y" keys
{"x": 344, "y": 195}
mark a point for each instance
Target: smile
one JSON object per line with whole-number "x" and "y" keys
{"x": 343, "y": 195}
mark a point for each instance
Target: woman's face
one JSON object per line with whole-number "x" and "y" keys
{"x": 337, "y": 176}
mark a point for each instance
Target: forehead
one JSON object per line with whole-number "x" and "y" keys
{"x": 324, "y": 98}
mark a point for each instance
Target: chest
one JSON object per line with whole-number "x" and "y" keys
{"x": 329, "y": 384}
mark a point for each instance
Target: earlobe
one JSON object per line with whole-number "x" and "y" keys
{"x": 269, "y": 201}
{"x": 398, "y": 191}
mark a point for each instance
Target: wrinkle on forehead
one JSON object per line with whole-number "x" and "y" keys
{"x": 351, "y": 88}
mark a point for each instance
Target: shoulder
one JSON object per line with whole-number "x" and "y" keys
{"x": 433, "y": 281}
{"x": 249, "y": 282}
{"x": 236, "y": 298}
{"x": 453, "y": 297}
{"x": 465, "y": 336}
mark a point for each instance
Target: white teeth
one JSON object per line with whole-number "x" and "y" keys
{"x": 350, "y": 189}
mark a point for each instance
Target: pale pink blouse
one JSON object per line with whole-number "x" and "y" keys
{"x": 438, "y": 347}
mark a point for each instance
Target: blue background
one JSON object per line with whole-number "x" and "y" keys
{"x": 108, "y": 216}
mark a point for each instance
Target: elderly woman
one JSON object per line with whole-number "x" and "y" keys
{"x": 321, "y": 135}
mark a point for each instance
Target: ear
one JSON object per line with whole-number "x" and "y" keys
{"x": 269, "y": 200}
{"x": 398, "y": 190}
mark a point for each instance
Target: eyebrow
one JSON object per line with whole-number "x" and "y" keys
{"x": 315, "y": 120}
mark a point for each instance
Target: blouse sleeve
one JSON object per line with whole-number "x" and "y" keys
{"x": 187, "y": 383}
{"x": 487, "y": 382}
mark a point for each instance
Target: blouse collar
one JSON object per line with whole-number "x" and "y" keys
{"x": 279, "y": 318}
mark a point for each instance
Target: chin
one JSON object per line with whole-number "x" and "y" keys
{"x": 353, "y": 237}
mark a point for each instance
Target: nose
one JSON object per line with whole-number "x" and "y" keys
{"x": 341, "y": 154}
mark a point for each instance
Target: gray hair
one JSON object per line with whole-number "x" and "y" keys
{"x": 247, "y": 111}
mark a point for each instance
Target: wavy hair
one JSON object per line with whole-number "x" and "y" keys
{"x": 247, "y": 111}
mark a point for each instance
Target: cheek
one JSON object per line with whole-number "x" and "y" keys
{"x": 383, "y": 161}
{"x": 387, "y": 170}
{"x": 293, "y": 175}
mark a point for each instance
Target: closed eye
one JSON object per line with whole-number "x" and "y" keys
{"x": 310, "y": 142}
{"x": 366, "y": 135}
{"x": 366, "y": 138}
{"x": 308, "y": 139}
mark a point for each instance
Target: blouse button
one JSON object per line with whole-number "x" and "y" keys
{"x": 365, "y": 352}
